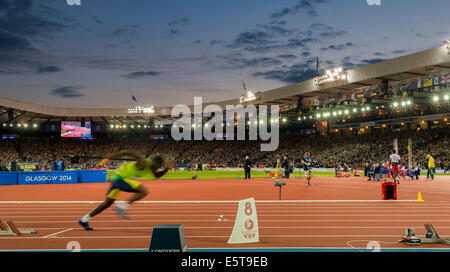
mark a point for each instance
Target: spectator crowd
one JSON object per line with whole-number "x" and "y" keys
{"x": 326, "y": 151}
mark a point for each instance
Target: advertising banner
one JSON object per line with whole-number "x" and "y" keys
{"x": 48, "y": 177}
{"x": 27, "y": 166}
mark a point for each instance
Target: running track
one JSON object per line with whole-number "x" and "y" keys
{"x": 324, "y": 216}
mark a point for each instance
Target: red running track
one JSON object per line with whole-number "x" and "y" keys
{"x": 313, "y": 224}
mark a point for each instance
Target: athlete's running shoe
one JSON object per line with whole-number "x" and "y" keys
{"x": 121, "y": 212}
{"x": 85, "y": 225}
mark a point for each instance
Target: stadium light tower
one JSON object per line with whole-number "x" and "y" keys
{"x": 338, "y": 74}
{"x": 248, "y": 97}
{"x": 142, "y": 109}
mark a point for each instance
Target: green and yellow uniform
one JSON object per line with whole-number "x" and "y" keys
{"x": 122, "y": 180}
{"x": 431, "y": 167}
{"x": 431, "y": 162}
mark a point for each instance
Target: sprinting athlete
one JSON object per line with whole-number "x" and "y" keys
{"x": 123, "y": 181}
{"x": 307, "y": 166}
{"x": 394, "y": 161}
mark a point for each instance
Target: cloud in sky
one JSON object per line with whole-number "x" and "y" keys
{"x": 21, "y": 26}
{"x": 179, "y": 22}
{"x": 287, "y": 56}
{"x": 125, "y": 31}
{"x": 21, "y": 19}
{"x": 10, "y": 43}
{"x": 351, "y": 62}
{"x": 217, "y": 42}
{"x": 307, "y": 6}
{"x": 251, "y": 49}
{"x": 67, "y": 92}
{"x": 178, "y": 26}
{"x": 289, "y": 74}
{"x": 398, "y": 51}
{"x": 137, "y": 41}
{"x": 371, "y": 61}
{"x": 95, "y": 19}
{"x": 306, "y": 70}
{"x": 48, "y": 69}
{"x": 237, "y": 61}
{"x": 141, "y": 74}
{"x": 266, "y": 38}
{"x": 338, "y": 46}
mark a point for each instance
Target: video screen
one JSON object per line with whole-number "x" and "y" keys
{"x": 73, "y": 129}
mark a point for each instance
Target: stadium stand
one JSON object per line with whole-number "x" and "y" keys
{"x": 326, "y": 151}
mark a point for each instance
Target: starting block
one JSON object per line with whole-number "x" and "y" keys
{"x": 168, "y": 238}
{"x": 9, "y": 229}
{"x": 431, "y": 237}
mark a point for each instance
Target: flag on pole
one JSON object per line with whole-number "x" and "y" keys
{"x": 420, "y": 83}
{"x": 428, "y": 83}
{"x": 445, "y": 79}
{"x": 359, "y": 94}
{"x": 243, "y": 84}
{"x": 133, "y": 98}
{"x": 437, "y": 80}
{"x": 317, "y": 66}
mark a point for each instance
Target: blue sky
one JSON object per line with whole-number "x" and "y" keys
{"x": 166, "y": 52}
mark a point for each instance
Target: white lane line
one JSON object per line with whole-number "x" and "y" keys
{"x": 307, "y": 203}
{"x": 215, "y": 221}
{"x": 261, "y": 227}
{"x": 212, "y": 201}
{"x": 234, "y": 215}
{"x": 207, "y": 236}
{"x": 56, "y": 233}
{"x": 260, "y": 209}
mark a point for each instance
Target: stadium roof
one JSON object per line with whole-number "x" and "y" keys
{"x": 426, "y": 63}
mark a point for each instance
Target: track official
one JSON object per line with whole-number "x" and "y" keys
{"x": 307, "y": 166}
{"x": 247, "y": 167}
{"x": 286, "y": 166}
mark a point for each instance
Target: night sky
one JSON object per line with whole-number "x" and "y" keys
{"x": 168, "y": 51}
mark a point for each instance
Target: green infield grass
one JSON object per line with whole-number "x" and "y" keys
{"x": 183, "y": 174}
